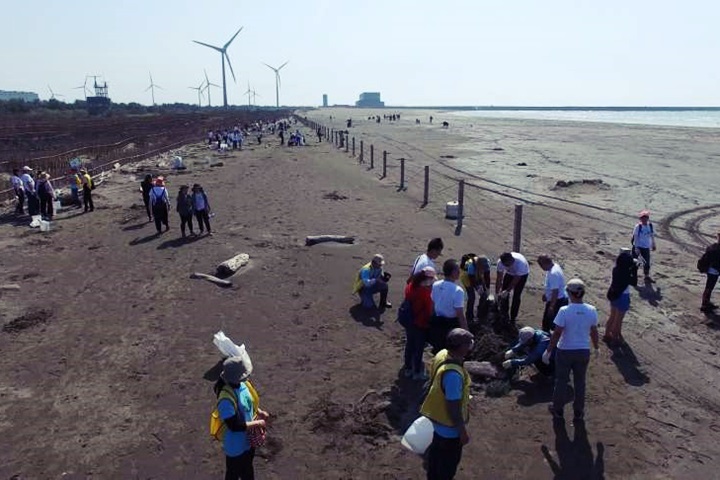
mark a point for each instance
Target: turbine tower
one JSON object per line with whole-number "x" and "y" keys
{"x": 53, "y": 94}
{"x": 84, "y": 87}
{"x": 248, "y": 92}
{"x": 209, "y": 84}
{"x": 277, "y": 81}
{"x": 199, "y": 90}
{"x": 223, "y": 56}
{"x": 152, "y": 88}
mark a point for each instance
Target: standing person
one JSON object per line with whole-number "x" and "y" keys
{"x": 160, "y": 201}
{"x": 145, "y": 186}
{"x": 46, "y": 195}
{"x": 512, "y": 274}
{"x": 554, "y": 296}
{"x": 709, "y": 264}
{"x": 619, "y": 295}
{"x": 475, "y": 277}
{"x": 185, "y": 209}
{"x": 201, "y": 207}
{"x": 427, "y": 259}
{"x": 28, "y": 182}
{"x": 449, "y": 301}
{"x": 643, "y": 240}
{"x": 446, "y": 405}
{"x": 75, "y": 185}
{"x": 372, "y": 279}
{"x": 575, "y": 327}
{"x": 239, "y": 409}
{"x": 418, "y": 293}
{"x": 87, "y": 188}
{"x": 17, "y": 186}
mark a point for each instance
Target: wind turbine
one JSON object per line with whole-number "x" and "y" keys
{"x": 209, "y": 84}
{"x": 255, "y": 94}
{"x": 152, "y": 88}
{"x": 248, "y": 92}
{"x": 223, "y": 56}
{"x": 199, "y": 90}
{"x": 53, "y": 94}
{"x": 84, "y": 87}
{"x": 277, "y": 81}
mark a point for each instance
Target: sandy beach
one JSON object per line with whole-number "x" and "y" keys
{"x": 111, "y": 374}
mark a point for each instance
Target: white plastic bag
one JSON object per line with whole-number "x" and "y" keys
{"x": 418, "y": 436}
{"x": 227, "y": 347}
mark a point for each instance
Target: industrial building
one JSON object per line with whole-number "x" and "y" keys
{"x": 24, "y": 96}
{"x": 369, "y": 99}
{"x": 325, "y": 100}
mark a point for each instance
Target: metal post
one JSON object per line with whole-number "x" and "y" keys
{"x": 347, "y": 142}
{"x": 517, "y": 232}
{"x": 426, "y": 190}
{"x": 353, "y": 147}
{"x": 384, "y": 164}
{"x": 362, "y": 152}
{"x": 402, "y": 174}
{"x": 372, "y": 156}
{"x": 461, "y": 201}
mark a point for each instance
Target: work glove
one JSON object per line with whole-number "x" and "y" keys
{"x": 509, "y": 354}
{"x": 507, "y": 364}
{"x": 546, "y": 357}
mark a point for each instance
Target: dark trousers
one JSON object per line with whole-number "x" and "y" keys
{"x": 566, "y": 361}
{"x": 550, "y": 313}
{"x": 20, "y": 194}
{"x": 33, "y": 203}
{"x": 443, "y": 457}
{"x": 202, "y": 216}
{"x": 87, "y": 198}
{"x": 470, "y": 305}
{"x": 146, "y": 201}
{"x": 160, "y": 212}
{"x": 439, "y": 328}
{"x": 415, "y": 339}
{"x": 240, "y": 467}
{"x": 186, "y": 220}
{"x": 645, "y": 252}
{"x": 517, "y": 292}
{"x": 46, "y": 206}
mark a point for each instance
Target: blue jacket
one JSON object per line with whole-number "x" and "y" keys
{"x": 370, "y": 275}
{"x": 534, "y": 349}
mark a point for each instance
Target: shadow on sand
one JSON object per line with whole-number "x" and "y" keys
{"x": 650, "y": 293}
{"x": 369, "y": 317}
{"x": 141, "y": 240}
{"x": 538, "y": 389}
{"x": 575, "y": 457}
{"x": 178, "y": 242}
{"x": 628, "y": 365}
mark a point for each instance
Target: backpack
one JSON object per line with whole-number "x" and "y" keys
{"x": 405, "y": 315}
{"x": 703, "y": 264}
{"x": 632, "y": 237}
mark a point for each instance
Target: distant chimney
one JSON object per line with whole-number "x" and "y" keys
{"x": 325, "y": 100}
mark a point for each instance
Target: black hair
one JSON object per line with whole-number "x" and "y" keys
{"x": 506, "y": 257}
{"x": 435, "y": 244}
{"x": 449, "y": 267}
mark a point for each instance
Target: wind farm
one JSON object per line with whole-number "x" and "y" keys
{"x": 223, "y": 57}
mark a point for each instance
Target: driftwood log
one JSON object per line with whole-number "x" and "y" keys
{"x": 315, "y": 239}
{"x": 232, "y": 265}
{"x": 212, "y": 279}
{"x": 481, "y": 369}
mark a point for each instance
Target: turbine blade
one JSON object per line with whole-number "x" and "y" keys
{"x": 230, "y": 65}
{"x": 209, "y": 46}
{"x": 271, "y": 68}
{"x": 206, "y": 77}
{"x": 148, "y": 88}
{"x": 281, "y": 66}
{"x": 233, "y": 38}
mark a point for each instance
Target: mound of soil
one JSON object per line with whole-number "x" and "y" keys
{"x": 572, "y": 183}
{"x": 26, "y": 321}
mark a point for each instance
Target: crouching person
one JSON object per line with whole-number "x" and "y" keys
{"x": 243, "y": 420}
{"x": 372, "y": 279}
{"x": 446, "y": 405}
{"x": 529, "y": 350}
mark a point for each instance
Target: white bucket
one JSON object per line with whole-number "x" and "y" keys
{"x": 57, "y": 206}
{"x": 418, "y": 436}
{"x": 451, "y": 210}
{"x": 35, "y": 221}
{"x": 44, "y": 226}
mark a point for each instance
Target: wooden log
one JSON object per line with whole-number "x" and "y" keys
{"x": 212, "y": 279}
{"x": 481, "y": 369}
{"x": 315, "y": 239}
{"x": 232, "y": 265}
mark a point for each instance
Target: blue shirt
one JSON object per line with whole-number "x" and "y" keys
{"x": 452, "y": 383}
{"x": 236, "y": 443}
{"x": 541, "y": 340}
{"x": 370, "y": 275}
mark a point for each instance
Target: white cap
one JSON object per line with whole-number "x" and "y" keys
{"x": 526, "y": 334}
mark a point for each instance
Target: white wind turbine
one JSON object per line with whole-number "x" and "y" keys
{"x": 199, "y": 90}
{"x": 84, "y": 87}
{"x": 248, "y": 92}
{"x": 53, "y": 94}
{"x": 223, "y": 56}
{"x": 152, "y": 88}
{"x": 209, "y": 84}
{"x": 277, "y": 81}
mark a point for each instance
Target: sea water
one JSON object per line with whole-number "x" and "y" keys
{"x": 683, "y": 118}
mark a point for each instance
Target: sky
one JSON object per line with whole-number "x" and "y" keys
{"x": 421, "y": 52}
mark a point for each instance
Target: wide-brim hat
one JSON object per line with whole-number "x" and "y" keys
{"x": 575, "y": 285}
{"x": 237, "y": 369}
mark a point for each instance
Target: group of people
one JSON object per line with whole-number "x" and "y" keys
{"x": 36, "y": 188}
{"x": 188, "y": 203}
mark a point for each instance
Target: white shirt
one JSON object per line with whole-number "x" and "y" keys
{"x": 643, "y": 235}
{"x": 28, "y": 182}
{"x": 576, "y": 320}
{"x": 16, "y": 182}
{"x": 517, "y": 269}
{"x": 554, "y": 278}
{"x": 421, "y": 262}
{"x": 447, "y": 296}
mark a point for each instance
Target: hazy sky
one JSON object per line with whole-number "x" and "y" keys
{"x": 421, "y": 52}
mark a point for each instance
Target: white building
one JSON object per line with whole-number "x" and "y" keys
{"x": 24, "y": 96}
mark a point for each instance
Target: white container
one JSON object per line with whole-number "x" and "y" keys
{"x": 418, "y": 436}
{"x": 451, "y": 210}
{"x": 44, "y": 226}
{"x": 57, "y": 206}
{"x": 35, "y": 221}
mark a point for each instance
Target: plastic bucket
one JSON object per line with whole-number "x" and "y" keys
{"x": 35, "y": 221}
{"x": 44, "y": 226}
{"x": 418, "y": 436}
{"x": 451, "y": 210}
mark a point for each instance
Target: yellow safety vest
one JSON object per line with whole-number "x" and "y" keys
{"x": 358, "y": 283}
{"x": 435, "y": 406}
{"x": 217, "y": 425}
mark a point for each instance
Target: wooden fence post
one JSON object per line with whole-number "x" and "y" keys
{"x": 426, "y": 189}
{"x": 384, "y": 174}
{"x": 362, "y": 152}
{"x": 402, "y": 174}
{"x": 517, "y": 231}
{"x": 353, "y": 153}
{"x": 347, "y": 142}
{"x": 372, "y": 156}
{"x": 461, "y": 202}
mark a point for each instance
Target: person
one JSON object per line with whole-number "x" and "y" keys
{"x": 201, "y": 207}
{"x": 372, "y": 279}
{"x": 33, "y": 203}
{"x": 512, "y": 274}
{"x": 446, "y": 405}
{"x": 319, "y": 134}
{"x": 475, "y": 277}
{"x": 145, "y": 186}
{"x": 418, "y": 293}
{"x": 87, "y": 188}
{"x": 643, "y": 240}
{"x": 554, "y": 295}
{"x": 427, "y": 259}
{"x": 619, "y": 295}
{"x": 238, "y": 406}
{"x": 160, "y": 201}
{"x": 575, "y": 326}
{"x": 46, "y": 195}
{"x": 75, "y": 184}
{"x": 448, "y": 300}
{"x": 184, "y": 207}
{"x": 17, "y": 185}
{"x": 528, "y": 350}
{"x": 711, "y": 257}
